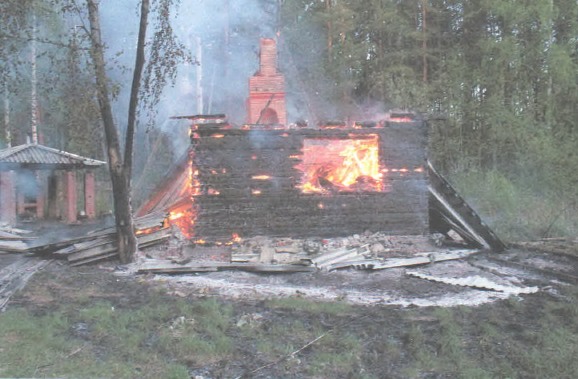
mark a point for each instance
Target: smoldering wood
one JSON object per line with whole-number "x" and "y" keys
{"x": 248, "y": 184}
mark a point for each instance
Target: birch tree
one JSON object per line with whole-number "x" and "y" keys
{"x": 165, "y": 53}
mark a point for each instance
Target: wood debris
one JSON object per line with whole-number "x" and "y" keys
{"x": 13, "y": 240}
{"x": 363, "y": 259}
{"x": 167, "y": 267}
{"x": 92, "y": 246}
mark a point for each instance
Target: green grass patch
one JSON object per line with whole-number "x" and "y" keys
{"x": 516, "y": 208}
{"x": 315, "y": 307}
{"x": 164, "y": 337}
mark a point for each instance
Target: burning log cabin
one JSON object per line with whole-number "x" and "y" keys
{"x": 333, "y": 180}
{"x": 308, "y": 182}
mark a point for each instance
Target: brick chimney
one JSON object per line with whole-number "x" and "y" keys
{"x": 266, "y": 103}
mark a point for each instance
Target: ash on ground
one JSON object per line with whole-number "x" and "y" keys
{"x": 450, "y": 283}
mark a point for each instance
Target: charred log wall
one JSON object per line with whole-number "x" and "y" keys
{"x": 247, "y": 183}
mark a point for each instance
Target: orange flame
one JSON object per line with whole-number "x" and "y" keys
{"x": 261, "y": 177}
{"x": 343, "y": 165}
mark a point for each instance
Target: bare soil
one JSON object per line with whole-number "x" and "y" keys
{"x": 386, "y": 307}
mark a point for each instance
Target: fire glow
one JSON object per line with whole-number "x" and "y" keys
{"x": 261, "y": 177}
{"x": 341, "y": 165}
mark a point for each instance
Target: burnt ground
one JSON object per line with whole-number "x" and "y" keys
{"x": 400, "y": 322}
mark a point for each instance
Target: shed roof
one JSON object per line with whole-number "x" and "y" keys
{"x": 39, "y": 157}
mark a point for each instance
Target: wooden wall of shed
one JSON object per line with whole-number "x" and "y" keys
{"x": 227, "y": 161}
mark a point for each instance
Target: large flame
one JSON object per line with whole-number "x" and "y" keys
{"x": 341, "y": 165}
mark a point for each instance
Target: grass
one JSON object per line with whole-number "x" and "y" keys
{"x": 171, "y": 338}
{"x": 518, "y": 209}
{"x": 297, "y": 303}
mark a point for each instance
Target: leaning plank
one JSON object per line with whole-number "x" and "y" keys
{"x": 447, "y": 200}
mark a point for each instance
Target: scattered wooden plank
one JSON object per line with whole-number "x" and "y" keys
{"x": 158, "y": 267}
{"x": 426, "y": 258}
{"x": 104, "y": 248}
{"x": 82, "y": 246}
{"x": 9, "y": 229}
{"x": 327, "y": 260}
{"x": 94, "y": 259}
{"x": 149, "y": 221}
{"x": 9, "y": 235}
{"x": 93, "y": 252}
{"x": 238, "y": 258}
{"x": 145, "y": 240}
{"x": 13, "y": 247}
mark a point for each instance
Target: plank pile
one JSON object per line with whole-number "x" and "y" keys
{"x": 13, "y": 240}
{"x": 89, "y": 247}
{"x": 100, "y": 245}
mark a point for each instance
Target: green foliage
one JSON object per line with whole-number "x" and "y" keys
{"x": 521, "y": 207}
{"x": 199, "y": 333}
{"x": 504, "y": 74}
{"x": 295, "y": 303}
{"x": 167, "y": 337}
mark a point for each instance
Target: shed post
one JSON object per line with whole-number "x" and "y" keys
{"x": 40, "y": 194}
{"x": 89, "y": 195}
{"x": 70, "y": 196}
{"x": 7, "y": 197}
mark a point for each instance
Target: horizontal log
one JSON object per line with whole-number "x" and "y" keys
{"x": 172, "y": 268}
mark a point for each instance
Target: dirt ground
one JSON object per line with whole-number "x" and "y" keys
{"x": 534, "y": 277}
{"x": 528, "y": 272}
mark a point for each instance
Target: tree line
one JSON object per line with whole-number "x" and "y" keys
{"x": 496, "y": 80}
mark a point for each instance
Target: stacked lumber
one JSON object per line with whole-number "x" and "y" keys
{"x": 13, "y": 240}
{"x": 102, "y": 244}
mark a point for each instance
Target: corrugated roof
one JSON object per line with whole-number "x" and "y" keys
{"x": 36, "y": 156}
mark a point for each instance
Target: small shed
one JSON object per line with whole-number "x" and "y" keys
{"x": 40, "y": 182}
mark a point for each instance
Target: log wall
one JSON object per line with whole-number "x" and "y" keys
{"x": 229, "y": 199}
